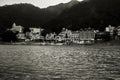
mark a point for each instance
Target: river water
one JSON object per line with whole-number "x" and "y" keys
{"x": 77, "y": 62}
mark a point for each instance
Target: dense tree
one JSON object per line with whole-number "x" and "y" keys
{"x": 9, "y": 36}
{"x": 26, "y": 29}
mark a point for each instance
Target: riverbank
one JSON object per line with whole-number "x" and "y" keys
{"x": 30, "y": 43}
{"x": 110, "y": 43}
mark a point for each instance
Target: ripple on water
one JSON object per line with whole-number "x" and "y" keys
{"x": 59, "y": 62}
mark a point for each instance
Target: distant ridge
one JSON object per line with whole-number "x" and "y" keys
{"x": 73, "y": 15}
{"x": 57, "y": 9}
{"x": 96, "y": 14}
{"x": 29, "y": 15}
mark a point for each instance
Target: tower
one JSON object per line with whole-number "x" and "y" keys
{"x": 14, "y": 24}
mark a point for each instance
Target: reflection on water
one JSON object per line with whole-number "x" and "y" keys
{"x": 59, "y": 62}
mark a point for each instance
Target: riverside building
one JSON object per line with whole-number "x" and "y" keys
{"x": 82, "y": 37}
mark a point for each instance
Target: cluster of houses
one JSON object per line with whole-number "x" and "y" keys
{"x": 33, "y": 34}
{"x": 113, "y": 31}
{"x": 79, "y": 37}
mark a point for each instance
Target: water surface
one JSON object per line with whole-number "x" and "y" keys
{"x": 80, "y": 62}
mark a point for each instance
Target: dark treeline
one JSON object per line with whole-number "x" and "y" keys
{"x": 9, "y": 36}
{"x": 89, "y": 13}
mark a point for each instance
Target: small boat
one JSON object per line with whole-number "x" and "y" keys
{"x": 59, "y": 44}
{"x": 43, "y": 43}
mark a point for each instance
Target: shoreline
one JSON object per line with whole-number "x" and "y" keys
{"x": 109, "y": 43}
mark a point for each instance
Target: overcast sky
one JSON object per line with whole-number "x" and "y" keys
{"x": 39, "y": 3}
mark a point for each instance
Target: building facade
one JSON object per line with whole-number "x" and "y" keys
{"x": 82, "y": 36}
{"x": 17, "y": 28}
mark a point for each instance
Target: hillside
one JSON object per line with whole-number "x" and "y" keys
{"x": 58, "y": 9}
{"x": 29, "y": 15}
{"x": 89, "y": 13}
{"x": 24, "y": 14}
{"x": 73, "y": 15}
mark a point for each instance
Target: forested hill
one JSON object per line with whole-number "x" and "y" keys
{"x": 73, "y": 15}
{"x": 58, "y": 9}
{"x": 24, "y": 14}
{"x": 29, "y": 15}
{"x": 89, "y": 13}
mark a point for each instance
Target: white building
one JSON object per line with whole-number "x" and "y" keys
{"x": 21, "y": 36}
{"x": 17, "y": 28}
{"x": 74, "y": 36}
{"x": 80, "y": 36}
{"x": 118, "y": 31}
{"x": 36, "y": 30}
{"x": 36, "y": 33}
{"x": 65, "y": 34}
{"x": 110, "y": 29}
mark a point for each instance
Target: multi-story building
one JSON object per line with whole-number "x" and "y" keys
{"x": 74, "y": 37}
{"x": 65, "y": 34}
{"x": 17, "y": 28}
{"x": 118, "y": 31}
{"x": 36, "y": 33}
{"x": 110, "y": 29}
{"x": 82, "y": 36}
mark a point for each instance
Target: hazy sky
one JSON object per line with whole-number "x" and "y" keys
{"x": 39, "y": 3}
